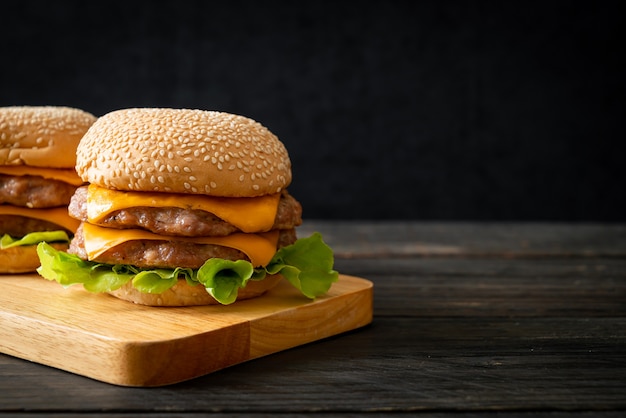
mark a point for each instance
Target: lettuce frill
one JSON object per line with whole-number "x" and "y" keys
{"x": 33, "y": 238}
{"x": 307, "y": 265}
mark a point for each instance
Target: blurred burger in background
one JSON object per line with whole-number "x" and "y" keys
{"x": 186, "y": 207}
{"x": 37, "y": 180}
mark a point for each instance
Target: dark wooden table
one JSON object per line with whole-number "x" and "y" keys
{"x": 470, "y": 319}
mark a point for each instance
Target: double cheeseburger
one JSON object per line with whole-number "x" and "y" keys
{"x": 37, "y": 179}
{"x": 186, "y": 207}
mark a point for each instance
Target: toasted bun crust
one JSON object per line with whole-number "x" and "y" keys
{"x": 41, "y": 136}
{"x": 23, "y": 259}
{"x": 183, "y": 151}
{"x": 182, "y": 294}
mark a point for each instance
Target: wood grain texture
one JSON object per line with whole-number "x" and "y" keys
{"x": 108, "y": 339}
{"x": 393, "y": 239}
{"x": 491, "y": 330}
{"x": 546, "y": 287}
{"x": 393, "y": 365}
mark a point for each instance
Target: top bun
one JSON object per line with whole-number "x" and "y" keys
{"x": 183, "y": 151}
{"x": 41, "y": 136}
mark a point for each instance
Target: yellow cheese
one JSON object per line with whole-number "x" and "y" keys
{"x": 249, "y": 214}
{"x": 65, "y": 175}
{"x": 260, "y": 248}
{"x": 57, "y": 215}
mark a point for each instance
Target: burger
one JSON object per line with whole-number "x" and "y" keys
{"x": 37, "y": 179}
{"x": 186, "y": 207}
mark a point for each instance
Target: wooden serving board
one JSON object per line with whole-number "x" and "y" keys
{"x": 104, "y": 338}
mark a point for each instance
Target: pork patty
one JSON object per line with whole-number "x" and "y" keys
{"x": 181, "y": 222}
{"x": 167, "y": 254}
{"x": 34, "y": 191}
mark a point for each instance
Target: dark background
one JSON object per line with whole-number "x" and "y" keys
{"x": 436, "y": 110}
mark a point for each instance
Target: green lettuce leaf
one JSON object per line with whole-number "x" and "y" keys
{"x": 223, "y": 278}
{"x": 159, "y": 280}
{"x": 33, "y": 238}
{"x": 68, "y": 269}
{"x": 307, "y": 264}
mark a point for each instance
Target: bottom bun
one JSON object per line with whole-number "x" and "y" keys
{"x": 183, "y": 294}
{"x": 23, "y": 259}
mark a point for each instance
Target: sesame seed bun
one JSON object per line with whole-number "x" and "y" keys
{"x": 183, "y": 294}
{"x": 41, "y": 136}
{"x": 23, "y": 259}
{"x": 183, "y": 151}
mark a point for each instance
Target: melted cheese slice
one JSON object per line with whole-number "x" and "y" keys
{"x": 260, "y": 248}
{"x": 249, "y": 214}
{"x": 58, "y": 215}
{"x": 65, "y": 175}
